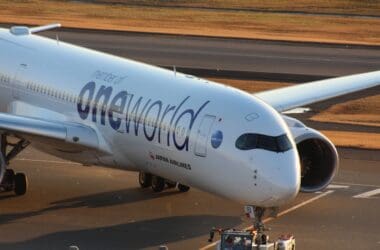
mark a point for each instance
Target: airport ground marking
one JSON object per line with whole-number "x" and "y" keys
{"x": 368, "y": 195}
{"x": 357, "y": 184}
{"x": 49, "y": 161}
{"x": 298, "y": 206}
{"x": 333, "y": 186}
{"x": 304, "y": 203}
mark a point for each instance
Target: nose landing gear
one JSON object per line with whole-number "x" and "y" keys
{"x": 9, "y": 181}
{"x": 258, "y": 225}
{"x": 158, "y": 183}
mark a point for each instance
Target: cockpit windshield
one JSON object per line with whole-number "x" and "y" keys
{"x": 250, "y": 141}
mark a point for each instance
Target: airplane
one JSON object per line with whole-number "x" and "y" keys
{"x": 176, "y": 130}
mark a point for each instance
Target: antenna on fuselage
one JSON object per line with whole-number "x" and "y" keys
{"x": 45, "y": 27}
{"x": 175, "y": 70}
{"x": 23, "y": 30}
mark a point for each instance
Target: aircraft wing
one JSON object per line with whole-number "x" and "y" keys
{"x": 287, "y": 98}
{"x": 71, "y": 135}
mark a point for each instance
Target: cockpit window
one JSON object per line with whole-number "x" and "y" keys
{"x": 283, "y": 143}
{"x": 272, "y": 143}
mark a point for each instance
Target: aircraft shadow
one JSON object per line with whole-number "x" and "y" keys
{"x": 7, "y": 197}
{"x": 134, "y": 235}
{"x": 98, "y": 200}
{"x": 112, "y": 198}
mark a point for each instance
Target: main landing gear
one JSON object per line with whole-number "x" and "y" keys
{"x": 9, "y": 180}
{"x": 158, "y": 183}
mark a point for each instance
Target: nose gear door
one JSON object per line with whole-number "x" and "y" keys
{"x": 204, "y": 135}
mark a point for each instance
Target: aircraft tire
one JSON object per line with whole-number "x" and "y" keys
{"x": 183, "y": 188}
{"x": 158, "y": 183}
{"x": 9, "y": 178}
{"x": 145, "y": 179}
{"x": 171, "y": 184}
{"x": 21, "y": 184}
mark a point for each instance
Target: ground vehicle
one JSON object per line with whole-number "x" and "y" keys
{"x": 232, "y": 239}
{"x": 251, "y": 238}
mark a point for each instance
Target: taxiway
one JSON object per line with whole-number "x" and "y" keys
{"x": 98, "y": 208}
{"x": 236, "y": 58}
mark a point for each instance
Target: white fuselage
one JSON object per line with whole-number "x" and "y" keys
{"x": 169, "y": 124}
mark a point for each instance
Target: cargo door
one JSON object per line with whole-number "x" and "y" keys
{"x": 203, "y": 135}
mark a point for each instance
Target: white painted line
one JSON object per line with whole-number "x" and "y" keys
{"x": 332, "y": 186}
{"x": 280, "y": 214}
{"x": 367, "y": 195}
{"x": 47, "y": 161}
{"x": 357, "y": 184}
{"x": 302, "y": 204}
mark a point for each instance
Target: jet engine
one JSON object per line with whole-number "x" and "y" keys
{"x": 318, "y": 156}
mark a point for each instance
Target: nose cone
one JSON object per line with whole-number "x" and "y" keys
{"x": 281, "y": 173}
{"x": 279, "y": 178}
{"x": 287, "y": 181}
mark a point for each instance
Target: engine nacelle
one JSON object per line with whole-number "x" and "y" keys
{"x": 318, "y": 155}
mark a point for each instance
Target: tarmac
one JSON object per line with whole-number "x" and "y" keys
{"x": 99, "y": 208}
{"x": 233, "y": 58}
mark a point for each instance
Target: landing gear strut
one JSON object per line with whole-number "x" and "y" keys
{"x": 9, "y": 181}
{"x": 258, "y": 225}
{"x": 158, "y": 183}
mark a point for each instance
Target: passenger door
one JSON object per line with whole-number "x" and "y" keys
{"x": 204, "y": 135}
{"x": 19, "y": 84}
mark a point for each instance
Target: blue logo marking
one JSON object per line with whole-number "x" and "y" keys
{"x": 138, "y": 114}
{"x": 217, "y": 139}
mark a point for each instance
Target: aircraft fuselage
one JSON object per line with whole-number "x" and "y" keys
{"x": 166, "y": 123}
